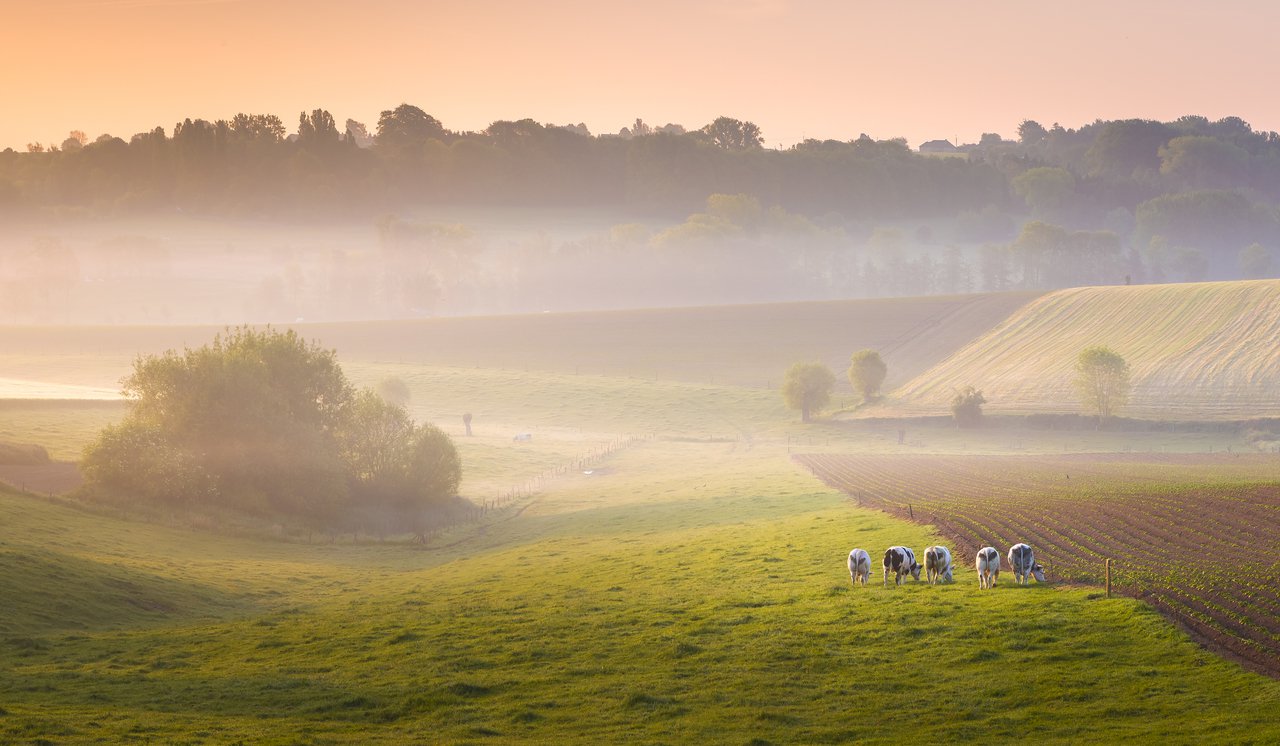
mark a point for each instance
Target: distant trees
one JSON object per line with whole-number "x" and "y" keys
{"x": 867, "y": 371}
{"x": 1045, "y": 189}
{"x": 1102, "y": 381}
{"x": 966, "y": 407}
{"x": 807, "y": 388}
{"x": 732, "y": 134}
{"x": 264, "y": 424}
{"x": 407, "y": 127}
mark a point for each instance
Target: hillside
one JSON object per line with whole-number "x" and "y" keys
{"x": 1199, "y": 351}
{"x": 747, "y": 345}
{"x": 686, "y": 593}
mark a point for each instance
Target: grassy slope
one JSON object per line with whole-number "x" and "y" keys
{"x": 692, "y": 592}
{"x": 1196, "y": 351}
{"x": 703, "y": 345}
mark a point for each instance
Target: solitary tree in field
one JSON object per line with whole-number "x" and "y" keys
{"x": 966, "y": 407}
{"x": 866, "y": 373}
{"x": 808, "y": 387}
{"x": 1102, "y": 379}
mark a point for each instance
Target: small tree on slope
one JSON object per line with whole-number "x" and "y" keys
{"x": 1102, "y": 380}
{"x": 808, "y": 387}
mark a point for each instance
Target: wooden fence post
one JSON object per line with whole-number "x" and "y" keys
{"x": 1108, "y": 577}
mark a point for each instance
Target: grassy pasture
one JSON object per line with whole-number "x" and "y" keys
{"x": 690, "y": 592}
{"x": 1179, "y": 528}
{"x": 1198, "y": 351}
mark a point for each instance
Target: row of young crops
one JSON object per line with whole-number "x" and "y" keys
{"x": 1194, "y": 535}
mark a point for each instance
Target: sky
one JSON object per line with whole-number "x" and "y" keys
{"x": 930, "y": 69}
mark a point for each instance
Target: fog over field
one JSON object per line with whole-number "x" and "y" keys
{"x": 652, "y": 373}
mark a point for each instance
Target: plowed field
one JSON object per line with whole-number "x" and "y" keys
{"x": 1196, "y": 536}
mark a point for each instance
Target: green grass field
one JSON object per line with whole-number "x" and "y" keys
{"x": 691, "y": 592}
{"x": 690, "y": 588}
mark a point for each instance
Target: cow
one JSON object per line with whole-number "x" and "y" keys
{"x": 937, "y": 564}
{"x": 900, "y": 561}
{"x": 987, "y": 563}
{"x": 859, "y": 567}
{"x": 1023, "y": 561}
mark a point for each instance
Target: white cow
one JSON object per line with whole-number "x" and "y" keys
{"x": 1023, "y": 561}
{"x": 987, "y": 563}
{"x": 937, "y": 564}
{"x": 900, "y": 561}
{"x": 859, "y": 567}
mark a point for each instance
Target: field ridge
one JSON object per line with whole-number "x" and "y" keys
{"x": 1196, "y": 351}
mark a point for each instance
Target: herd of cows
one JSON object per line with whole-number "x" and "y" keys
{"x": 901, "y": 561}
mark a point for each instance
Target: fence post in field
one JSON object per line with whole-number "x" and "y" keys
{"x": 911, "y": 512}
{"x": 1108, "y": 577}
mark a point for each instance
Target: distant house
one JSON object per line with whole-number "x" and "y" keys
{"x": 938, "y": 146}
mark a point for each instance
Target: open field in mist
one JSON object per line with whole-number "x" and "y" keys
{"x": 739, "y": 345}
{"x": 687, "y": 592}
{"x": 652, "y": 566}
{"x": 1199, "y": 351}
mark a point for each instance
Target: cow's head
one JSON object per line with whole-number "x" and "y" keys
{"x": 915, "y": 570}
{"x": 1038, "y": 572}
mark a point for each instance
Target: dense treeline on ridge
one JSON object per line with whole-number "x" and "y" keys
{"x": 707, "y": 215}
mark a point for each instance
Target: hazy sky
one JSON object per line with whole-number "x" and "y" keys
{"x": 817, "y": 68}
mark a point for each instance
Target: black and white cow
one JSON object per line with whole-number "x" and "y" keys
{"x": 937, "y": 564}
{"x": 859, "y": 567}
{"x": 1024, "y": 564}
{"x": 900, "y": 561}
{"x": 987, "y": 563}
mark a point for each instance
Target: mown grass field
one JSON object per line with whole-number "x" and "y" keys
{"x": 1198, "y": 351}
{"x": 690, "y": 593}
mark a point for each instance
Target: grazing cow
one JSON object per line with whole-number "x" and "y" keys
{"x": 900, "y": 561}
{"x": 988, "y": 564}
{"x": 1024, "y": 564}
{"x": 937, "y": 564}
{"x": 859, "y": 567}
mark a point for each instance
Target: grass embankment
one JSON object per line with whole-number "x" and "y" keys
{"x": 1201, "y": 351}
{"x": 690, "y": 592}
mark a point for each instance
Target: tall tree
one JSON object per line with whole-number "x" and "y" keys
{"x": 733, "y": 134}
{"x": 1102, "y": 381}
{"x": 807, "y": 387}
{"x": 867, "y": 371}
{"x": 406, "y": 127}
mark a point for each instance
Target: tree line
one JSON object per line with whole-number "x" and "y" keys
{"x": 251, "y": 165}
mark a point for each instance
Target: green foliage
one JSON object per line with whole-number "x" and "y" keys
{"x": 1102, "y": 380}
{"x": 966, "y": 407}
{"x": 1045, "y": 188}
{"x": 400, "y": 475}
{"x": 1052, "y": 256}
{"x": 807, "y": 387}
{"x": 1215, "y": 221}
{"x": 867, "y": 371}
{"x": 1202, "y": 162}
{"x": 263, "y": 423}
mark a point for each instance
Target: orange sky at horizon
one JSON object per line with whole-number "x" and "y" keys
{"x": 815, "y": 68}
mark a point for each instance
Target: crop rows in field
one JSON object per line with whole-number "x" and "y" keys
{"x": 1196, "y": 351}
{"x": 1195, "y": 536}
